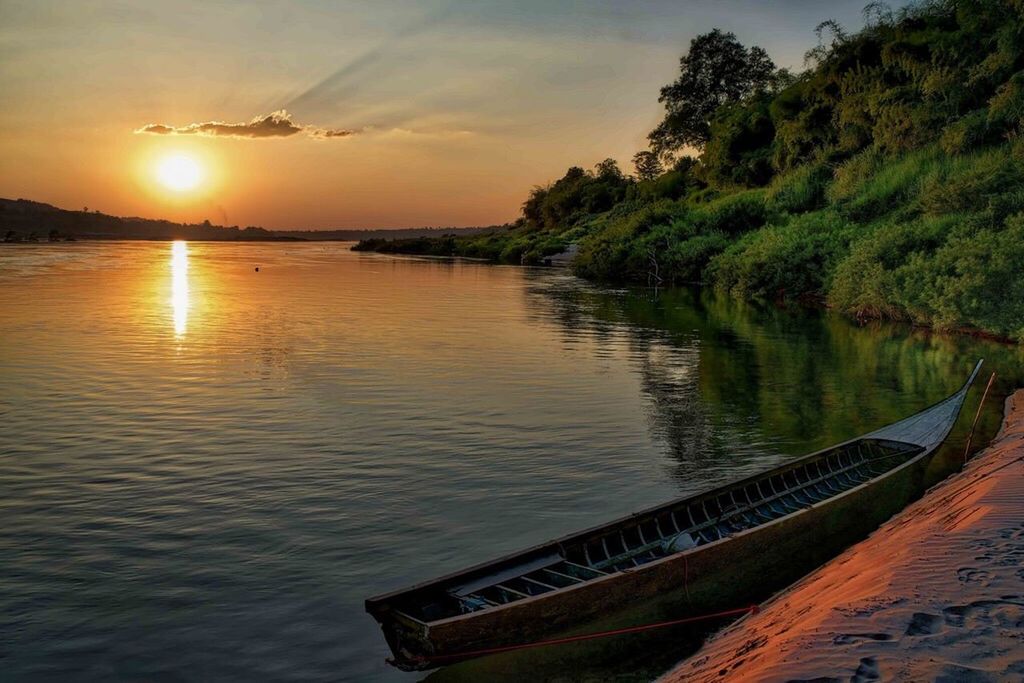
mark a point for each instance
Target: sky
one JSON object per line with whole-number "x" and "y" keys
{"x": 344, "y": 114}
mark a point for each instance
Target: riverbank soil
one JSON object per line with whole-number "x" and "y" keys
{"x": 936, "y": 594}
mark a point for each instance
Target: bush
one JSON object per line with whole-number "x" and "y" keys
{"x": 870, "y": 185}
{"x": 872, "y": 280}
{"x": 968, "y": 133}
{"x": 514, "y": 250}
{"x": 990, "y": 180}
{"x": 851, "y": 175}
{"x": 685, "y": 261}
{"x": 617, "y": 249}
{"x": 978, "y": 281}
{"x": 732, "y": 214}
{"x": 788, "y": 261}
{"x": 800, "y": 190}
{"x": 739, "y": 152}
{"x": 1006, "y": 108}
{"x": 674, "y": 184}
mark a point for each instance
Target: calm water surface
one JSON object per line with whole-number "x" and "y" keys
{"x": 205, "y": 469}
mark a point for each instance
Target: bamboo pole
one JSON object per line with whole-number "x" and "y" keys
{"x": 981, "y": 403}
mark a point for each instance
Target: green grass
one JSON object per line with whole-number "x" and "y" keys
{"x": 927, "y": 237}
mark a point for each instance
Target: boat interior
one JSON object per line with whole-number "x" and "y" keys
{"x": 648, "y": 536}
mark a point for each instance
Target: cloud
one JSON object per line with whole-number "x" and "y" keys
{"x": 276, "y": 124}
{"x": 324, "y": 133}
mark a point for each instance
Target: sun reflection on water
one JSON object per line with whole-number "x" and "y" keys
{"x": 179, "y": 285}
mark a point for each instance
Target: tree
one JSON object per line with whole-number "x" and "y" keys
{"x": 647, "y": 165}
{"x": 717, "y": 70}
{"x": 608, "y": 170}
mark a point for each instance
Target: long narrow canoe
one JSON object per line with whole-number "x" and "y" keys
{"x": 689, "y": 556}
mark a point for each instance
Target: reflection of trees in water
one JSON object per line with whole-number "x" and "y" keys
{"x": 676, "y": 414}
{"x": 668, "y": 356}
{"x": 729, "y": 382}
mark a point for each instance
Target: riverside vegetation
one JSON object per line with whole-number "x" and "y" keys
{"x": 886, "y": 180}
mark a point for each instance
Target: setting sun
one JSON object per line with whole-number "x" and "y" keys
{"x": 179, "y": 172}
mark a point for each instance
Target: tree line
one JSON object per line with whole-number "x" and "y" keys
{"x": 883, "y": 180}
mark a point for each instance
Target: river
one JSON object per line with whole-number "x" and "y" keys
{"x": 212, "y": 453}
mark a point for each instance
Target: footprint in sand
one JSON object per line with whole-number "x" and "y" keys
{"x": 924, "y": 624}
{"x": 952, "y": 673}
{"x": 1007, "y": 552}
{"x": 973, "y": 575}
{"x": 847, "y": 638}
{"x": 1004, "y": 613}
{"x": 867, "y": 671}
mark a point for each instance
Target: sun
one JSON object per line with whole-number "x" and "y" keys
{"x": 179, "y": 172}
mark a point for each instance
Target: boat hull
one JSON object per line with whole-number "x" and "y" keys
{"x": 723, "y": 575}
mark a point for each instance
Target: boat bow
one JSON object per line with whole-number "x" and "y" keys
{"x": 930, "y": 427}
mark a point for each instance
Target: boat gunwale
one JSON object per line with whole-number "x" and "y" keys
{"x": 675, "y": 556}
{"x": 740, "y": 483}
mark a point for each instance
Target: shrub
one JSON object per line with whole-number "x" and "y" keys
{"x": 800, "y": 190}
{"x": 870, "y": 185}
{"x": 787, "y": 261}
{"x": 514, "y": 250}
{"x": 872, "y": 281}
{"x": 1006, "y": 108}
{"x": 685, "y": 261}
{"x": 968, "y": 133}
{"x": 989, "y": 180}
{"x": 851, "y": 175}
{"x": 616, "y": 250}
{"x": 978, "y": 281}
{"x": 732, "y": 214}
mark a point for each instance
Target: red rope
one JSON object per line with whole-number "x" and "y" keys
{"x": 752, "y": 609}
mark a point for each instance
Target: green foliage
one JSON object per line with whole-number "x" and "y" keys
{"x": 935, "y": 272}
{"x": 990, "y": 181}
{"x": 888, "y": 178}
{"x": 739, "y": 151}
{"x": 795, "y": 260}
{"x": 684, "y": 261}
{"x": 968, "y": 133}
{"x": 619, "y": 248}
{"x": 732, "y": 214}
{"x": 975, "y": 281}
{"x": 1006, "y": 108}
{"x": 647, "y": 165}
{"x": 716, "y": 70}
{"x": 872, "y": 281}
{"x": 576, "y": 195}
{"x": 871, "y": 184}
{"x": 801, "y": 190}
{"x": 802, "y": 116}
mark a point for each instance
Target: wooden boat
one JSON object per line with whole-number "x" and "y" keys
{"x": 690, "y": 556}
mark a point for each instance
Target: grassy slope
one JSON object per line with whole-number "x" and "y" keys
{"x": 899, "y": 186}
{"x": 929, "y": 237}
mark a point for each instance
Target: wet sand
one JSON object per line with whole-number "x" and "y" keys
{"x": 936, "y": 594}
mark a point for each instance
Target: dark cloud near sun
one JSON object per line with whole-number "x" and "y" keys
{"x": 276, "y": 124}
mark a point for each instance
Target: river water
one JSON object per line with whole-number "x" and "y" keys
{"x": 205, "y": 468}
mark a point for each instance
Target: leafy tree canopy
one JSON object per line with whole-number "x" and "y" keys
{"x": 647, "y": 165}
{"x": 717, "y": 70}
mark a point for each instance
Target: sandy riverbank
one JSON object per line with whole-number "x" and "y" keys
{"x": 936, "y": 594}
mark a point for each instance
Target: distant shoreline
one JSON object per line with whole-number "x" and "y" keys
{"x": 26, "y": 221}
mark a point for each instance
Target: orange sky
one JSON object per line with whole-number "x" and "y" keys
{"x": 456, "y": 109}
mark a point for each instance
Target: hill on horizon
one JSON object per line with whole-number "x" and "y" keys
{"x": 24, "y": 220}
